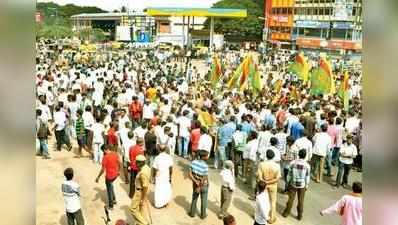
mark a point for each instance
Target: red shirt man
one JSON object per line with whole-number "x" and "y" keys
{"x": 135, "y": 109}
{"x": 110, "y": 164}
{"x": 112, "y": 136}
{"x": 134, "y": 152}
{"x": 195, "y": 136}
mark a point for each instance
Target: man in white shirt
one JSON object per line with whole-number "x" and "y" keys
{"x": 45, "y": 109}
{"x": 60, "y": 121}
{"x": 264, "y": 137}
{"x": 183, "y": 134}
{"x": 273, "y": 147}
{"x": 147, "y": 111}
{"x": 352, "y": 123}
{"x": 162, "y": 173}
{"x": 71, "y": 192}
{"x": 88, "y": 121}
{"x": 140, "y": 131}
{"x": 262, "y": 207}
{"x": 304, "y": 143}
{"x": 205, "y": 140}
{"x": 250, "y": 159}
{"x": 73, "y": 106}
{"x": 322, "y": 146}
{"x": 98, "y": 140}
{"x": 123, "y": 119}
{"x": 348, "y": 152}
{"x": 227, "y": 188}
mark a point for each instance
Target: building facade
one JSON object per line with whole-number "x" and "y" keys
{"x": 279, "y": 21}
{"x": 334, "y": 25}
{"x": 174, "y": 30}
{"x": 330, "y": 25}
{"x": 141, "y": 25}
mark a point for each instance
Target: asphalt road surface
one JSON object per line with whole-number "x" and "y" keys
{"x": 50, "y": 209}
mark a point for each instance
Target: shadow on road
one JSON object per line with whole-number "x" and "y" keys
{"x": 183, "y": 202}
{"x": 101, "y": 194}
{"x": 63, "y": 220}
{"x": 243, "y": 206}
{"x": 128, "y": 218}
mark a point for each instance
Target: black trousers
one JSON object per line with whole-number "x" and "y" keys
{"x": 75, "y": 218}
{"x": 61, "y": 138}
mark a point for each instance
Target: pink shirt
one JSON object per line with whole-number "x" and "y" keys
{"x": 352, "y": 214}
{"x": 336, "y": 133}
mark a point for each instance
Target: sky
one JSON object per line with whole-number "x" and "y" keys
{"x": 110, "y": 5}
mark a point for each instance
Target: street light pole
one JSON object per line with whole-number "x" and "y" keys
{"x": 265, "y": 32}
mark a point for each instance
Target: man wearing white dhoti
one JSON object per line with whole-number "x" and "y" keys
{"x": 162, "y": 170}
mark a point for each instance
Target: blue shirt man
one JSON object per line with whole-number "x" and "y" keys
{"x": 297, "y": 130}
{"x": 225, "y": 133}
{"x": 247, "y": 127}
{"x": 270, "y": 120}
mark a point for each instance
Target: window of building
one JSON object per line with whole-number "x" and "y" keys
{"x": 324, "y": 33}
{"x": 327, "y": 11}
{"x": 339, "y": 33}
{"x": 312, "y": 32}
{"x": 354, "y": 11}
{"x": 289, "y": 11}
{"x": 321, "y": 11}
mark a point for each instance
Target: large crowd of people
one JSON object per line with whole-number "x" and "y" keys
{"x": 135, "y": 111}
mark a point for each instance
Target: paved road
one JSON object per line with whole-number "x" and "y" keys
{"x": 50, "y": 205}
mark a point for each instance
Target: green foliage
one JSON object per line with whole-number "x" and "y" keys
{"x": 250, "y": 26}
{"x": 57, "y": 14}
{"x": 93, "y": 35}
{"x": 57, "y": 21}
{"x": 52, "y": 31}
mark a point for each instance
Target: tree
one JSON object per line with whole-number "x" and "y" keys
{"x": 54, "y": 31}
{"x": 54, "y": 13}
{"x": 250, "y": 27}
{"x": 57, "y": 21}
{"x": 92, "y": 35}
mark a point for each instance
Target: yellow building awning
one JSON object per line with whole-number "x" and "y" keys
{"x": 200, "y": 12}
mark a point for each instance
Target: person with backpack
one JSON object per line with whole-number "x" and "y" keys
{"x": 42, "y": 134}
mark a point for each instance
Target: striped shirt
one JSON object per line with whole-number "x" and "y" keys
{"x": 80, "y": 127}
{"x": 299, "y": 173}
{"x": 199, "y": 169}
